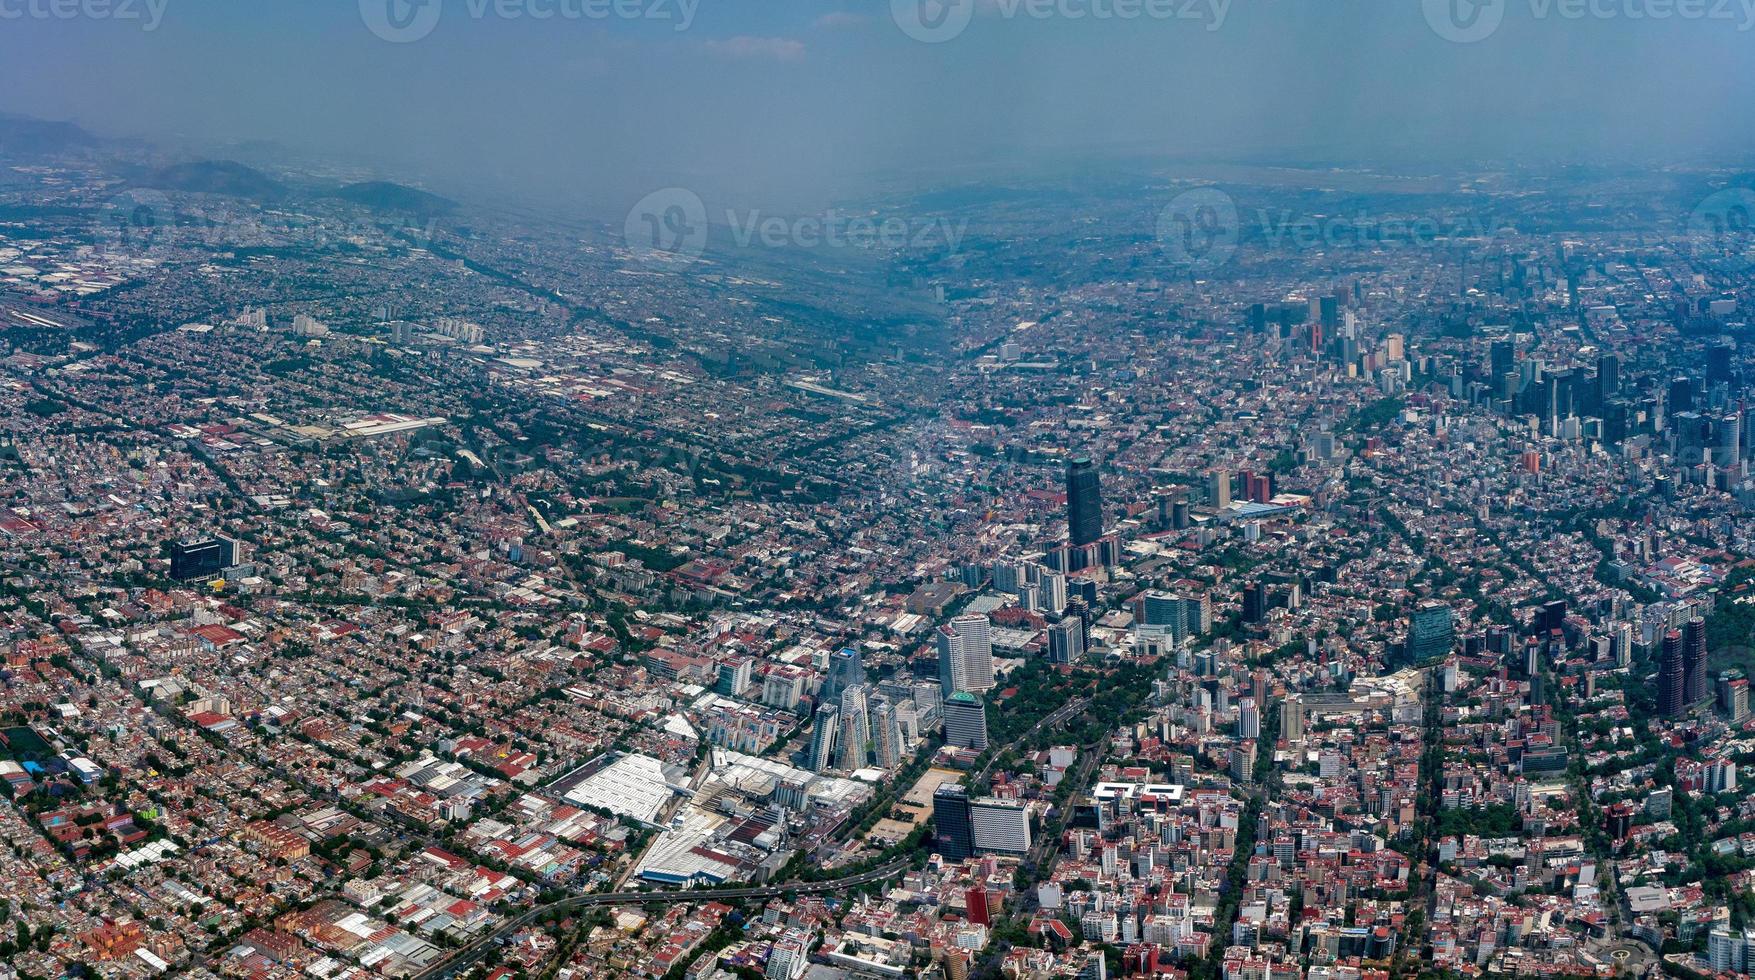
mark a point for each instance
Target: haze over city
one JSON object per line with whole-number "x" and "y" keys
{"x": 883, "y": 490}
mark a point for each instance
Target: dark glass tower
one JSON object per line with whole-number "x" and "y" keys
{"x": 1694, "y": 661}
{"x": 953, "y": 827}
{"x": 1671, "y": 677}
{"x": 1084, "y": 502}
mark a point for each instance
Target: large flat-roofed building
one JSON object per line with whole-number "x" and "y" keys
{"x": 999, "y": 826}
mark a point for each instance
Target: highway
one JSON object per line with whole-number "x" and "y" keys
{"x": 467, "y": 956}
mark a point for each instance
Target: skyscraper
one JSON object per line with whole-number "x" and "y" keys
{"x": 1254, "y": 603}
{"x": 846, "y": 669}
{"x": 1694, "y": 661}
{"x": 1066, "y": 640}
{"x": 1431, "y": 632}
{"x": 953, "y": 831}
{"x": 1672, "y": 682}
{"x": 965, "y": 721}
{"x": 855, "y": 728}
{"x": 965, "y": 654}
{"x": 822, "y": 740}
{"x": 1084, "y": 502}
{"x": 886, "y": 733}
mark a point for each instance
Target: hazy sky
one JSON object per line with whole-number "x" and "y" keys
{"x": 785, "y": 99}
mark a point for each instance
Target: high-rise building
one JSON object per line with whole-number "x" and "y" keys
{"x": 886, "y": 734}
{"x": 824, "y": 736}
{"x": 1052, "y": 590}
{"x": 965, "y": 721}
{"x": 1431, "y": 632}
{"x": 201, "y": 559}
{"x": 999, "y": 827}
{"x": 855, "y": 728}
{"x": 1219, "y": 489}
{"x": 1164, "y": 609}
{"x": 846, "y": 669}
{"x": 1694, "y": 661}
{"x": 965, "y": 654}
{"x": 1672, "y": 677}
{"x": 734, "y": 677}
{"x": 1292, "y": 719}
{"x": 1254, "y": 603}
{"x": 1084, "y": 502}
{"x": 953, "y": 831}
{"x": 788, "y": 960}
{"x": 1066, "y": 640}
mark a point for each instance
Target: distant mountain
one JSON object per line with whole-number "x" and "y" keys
{"x": 381, "y": 195}
{"x": 23, "y": 136}
{"x": 221, "y": 177}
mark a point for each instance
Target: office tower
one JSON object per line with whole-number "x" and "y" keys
{"x": 999, "y": 827}
{"x": 1694, "y": 661}
{"x": 1502, "y": 358}
{"x": 1254, "y": 603}
{"x": 965, "y": 654}
{"x": 1553, "y": 616}
{"x": 1084, "y": 502}
{"x": 855, "y": 728}
{"x": 1681, "y": 395}
{"x": 201, "y": 559}
{"x": 1164, "y": 609}
{"x": 1721, "y": 359}
{"x": 965, "y": 721}
{"x": 886, "y": 734}
{"x": 1672, "y": 682}
{"x": 1608, "y": 376}
{"x": 953, "y": 831}
{"x": 846, "y": 670}
{"x": 1431, "y": 632}
{"x": 1066, "y": 640}
{"x": 1219, "y": 489}
{"x": 734, "y": 677}
{"x": 928, "y": 701}
{"x": 1727, "y": 440}
{"x": 823, "y": 737}
{"x": 1292, "y": 719}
